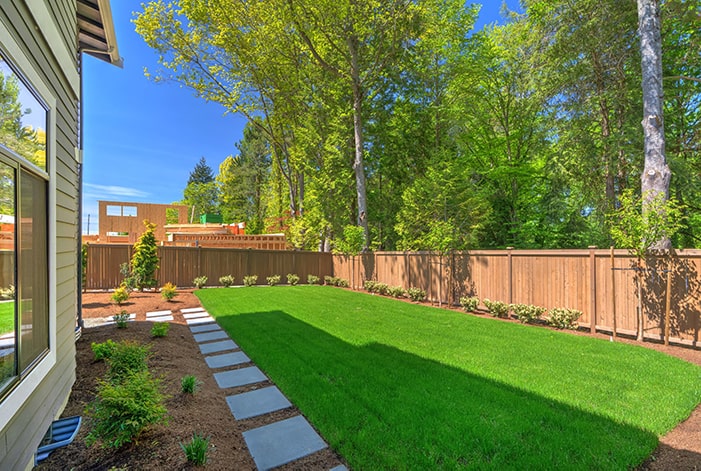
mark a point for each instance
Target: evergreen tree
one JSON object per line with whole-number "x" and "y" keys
{"x": 144, "y": 260}
{"x": 202, "y": 173}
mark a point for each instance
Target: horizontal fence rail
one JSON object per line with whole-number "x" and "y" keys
{"x": 587, "y": 280}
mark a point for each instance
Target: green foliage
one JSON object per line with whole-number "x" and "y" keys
{"x": 273, "y": 280}
{"x": 126, "y": 359}
{"x": 352, "y": 242}
{"x": 169, "y": 291}
{"x": 312, "y": 280}
{"x": 497, "y": 308}
{"x": 395, "y": 291}
{"x": 103, "y": 350}
{"x": 335, "y": 281}
{"x": 228, "y": 280}
{"x": 200, "y": 282}
{"x": 292, "y": 279}
{"x": 144, "y": 260}
{"x": 561, "y": 318}
{"x": 469, "y": 303}
{"x": 8, "y": 293}
{"x": 527, "y": 313}
{"x": 250, "y": 280}
{"x": 202, "y": 173}
{"x": 160, "y": 329}
{"x": 196, "y": 450}
{"x": 122, "y": 410}
{"x": 637, "y": 231}
{"x": 189, "y": 384}
{"x": 121, "y": 319}
{"x": 84, "y": 265}
{"x": 416, "y": 294}
{"x": 203, "y": 197}
{"x": 120, "y": 295}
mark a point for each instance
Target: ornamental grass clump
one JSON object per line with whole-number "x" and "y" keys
{"x": 169, "y": 291}
{"x": 226, "y": 280}
{"x": 527, "y": 313}
{"x": 561, "y": 318}
{"x": 497, "y": 308}
{"x": 470, "y": 303}
{"x": 196, "y": 449}
{"x": 189, "y": 384}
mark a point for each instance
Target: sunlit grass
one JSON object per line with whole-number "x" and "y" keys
{"x": 393, "y": 385}
{"x": 7, "y": 317}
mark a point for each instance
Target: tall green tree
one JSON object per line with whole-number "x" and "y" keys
{"x": 202, "y": 173}
{"x": 144, "y": 259}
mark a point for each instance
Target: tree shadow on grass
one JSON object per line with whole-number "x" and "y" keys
{"x": 382, "y": 408}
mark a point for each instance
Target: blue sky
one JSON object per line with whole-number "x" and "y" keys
{"x": 142, "y": 139}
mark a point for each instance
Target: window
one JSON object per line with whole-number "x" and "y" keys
{"x": 116, "y": 210}
{"x": 24, "y": 290}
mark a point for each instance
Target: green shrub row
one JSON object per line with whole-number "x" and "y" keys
{"x": 335, "y": 281}
{"x": 557, "y": 317}
{"x": 373, "y": 286}
{"x": 251, "y": 280}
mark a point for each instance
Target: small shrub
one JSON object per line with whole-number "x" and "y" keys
{"x": 416, "y": 294}
{"x": 497, "y": 308}
{"x": 341, "y": 282}
{"x": 127, "y": 358}
{"x": 564, "y": 318}
{"x": 121, "y": 319}
{"x": 160, "y": 329}
{"x": 122, "y": 410}
{"x": 526, "y": 312}
{"x": 381, "y": 288}
{"x": 470, "y": 303}
{"x": 312, "y": 279}
{"x": 189, "y": 384}
{"x": 103, "y": 350}
{"x": 250, "y": 280}
{"x": 196, "y": 449}
{"x": 120, "y": 295}
{"x": 199, "y": 282}
{"x": 169, "y": 291}
{"x": 292, "y": 279}
{"x": 329, "y": 280}
{"x": 369, "y": 285}
{"x": 273, "y": 280}
{"x": 227, "y": 280}
{"x": 395, "y": 291}
{"x": 9, "y": 292}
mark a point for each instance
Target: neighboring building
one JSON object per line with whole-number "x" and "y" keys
{"x": 123, "y": 222}
{"x": 40, "y": 168}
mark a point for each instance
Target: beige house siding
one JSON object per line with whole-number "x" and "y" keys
{"x": 21, "y": 436}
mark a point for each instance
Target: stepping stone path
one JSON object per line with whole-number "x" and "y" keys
{"x": 271, "y": 445}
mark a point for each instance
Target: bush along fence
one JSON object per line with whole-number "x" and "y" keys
{"x": 599, "y": 283}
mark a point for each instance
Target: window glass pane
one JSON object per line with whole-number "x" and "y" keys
{"x": 129, "y": 211}
{"x": 113, "y": 210}
{"x": 33, "y": 269}
{"x": 22, "y": 118}
{"x": 8, "y": 339}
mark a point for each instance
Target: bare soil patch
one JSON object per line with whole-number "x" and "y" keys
{"x": 207, "y": 413}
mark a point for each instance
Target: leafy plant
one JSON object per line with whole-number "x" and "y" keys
{"x": 121, "y": 410}
{"x": 312, "y": 279}
{"x": 416, "y": 294}
{"x": 497, "y": 308}
{"x": 292, "y": 279}
{"x": 120, "y": 295}
{"x": 470, "y": 303}
{"x": 189, "y": 384}
{"x": 169, "y": 291}
{"x": 250, "y": 280}
{"x": 103, "y": 350}
{"x": 273, "y": 280}
{"x": 227, "y": 280}
{"x": 561, "y": 318}
{"x": 526, "y": 312}
{"x": 329, "y": 280}
{"x": 84, "y": 265}
{"x": 7, "y": 293}
{"x": 395, "y": 291}
{"x": 196, "y": 449}
{"x": 199, "y": 282}
{"x": 160, "y": 329}
{"x": 352, "y": 242}
{"x": 369, "y": 285}
{"x": 381, "y": 288}
{"x": 127, "y": 358}
{"x": 144, "y": 261}
{"x": 121, "y": 319}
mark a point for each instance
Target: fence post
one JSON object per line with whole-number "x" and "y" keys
{"x": 592, "y": 302}
{"x": 511, "y": 273}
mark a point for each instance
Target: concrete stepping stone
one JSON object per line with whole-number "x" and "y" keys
{"x": 227, "y": 359}
{"x": 201, "y": 320}
{"x": 160, "y": 319}
{"x": 196, "y": 315}
{"x": 191, "y": 309}
{"x": 209, "y": 336}
{"x": 204, "y": 328}
{"x": 158, "y": 313}
{"x": 241, "y": 377}
{"x": 260, "y": 401}
{"x": 282, "y": 442}
{"x": 214, "y": 347}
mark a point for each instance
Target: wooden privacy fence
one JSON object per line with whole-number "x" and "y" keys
{"x": 575, "y": 279}
{"x": 181, "y": 265}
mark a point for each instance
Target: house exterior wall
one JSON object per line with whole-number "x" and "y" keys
{"x": 39, "y": 37}
{"x": 134, "y": 225}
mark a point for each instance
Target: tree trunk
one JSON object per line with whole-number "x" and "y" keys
{"x": 656, "y": 174}
{"x": 358, "y": 163}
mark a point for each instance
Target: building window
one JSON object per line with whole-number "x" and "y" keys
{"x": 24, "y": 290}
{"x": 118, "y": 210}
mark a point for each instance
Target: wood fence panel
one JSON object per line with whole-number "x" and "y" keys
{"x": 104, "y": 261}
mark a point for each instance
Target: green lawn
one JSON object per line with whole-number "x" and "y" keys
{"x": 7, "y": 317}
{"x": 393, "y": 385}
